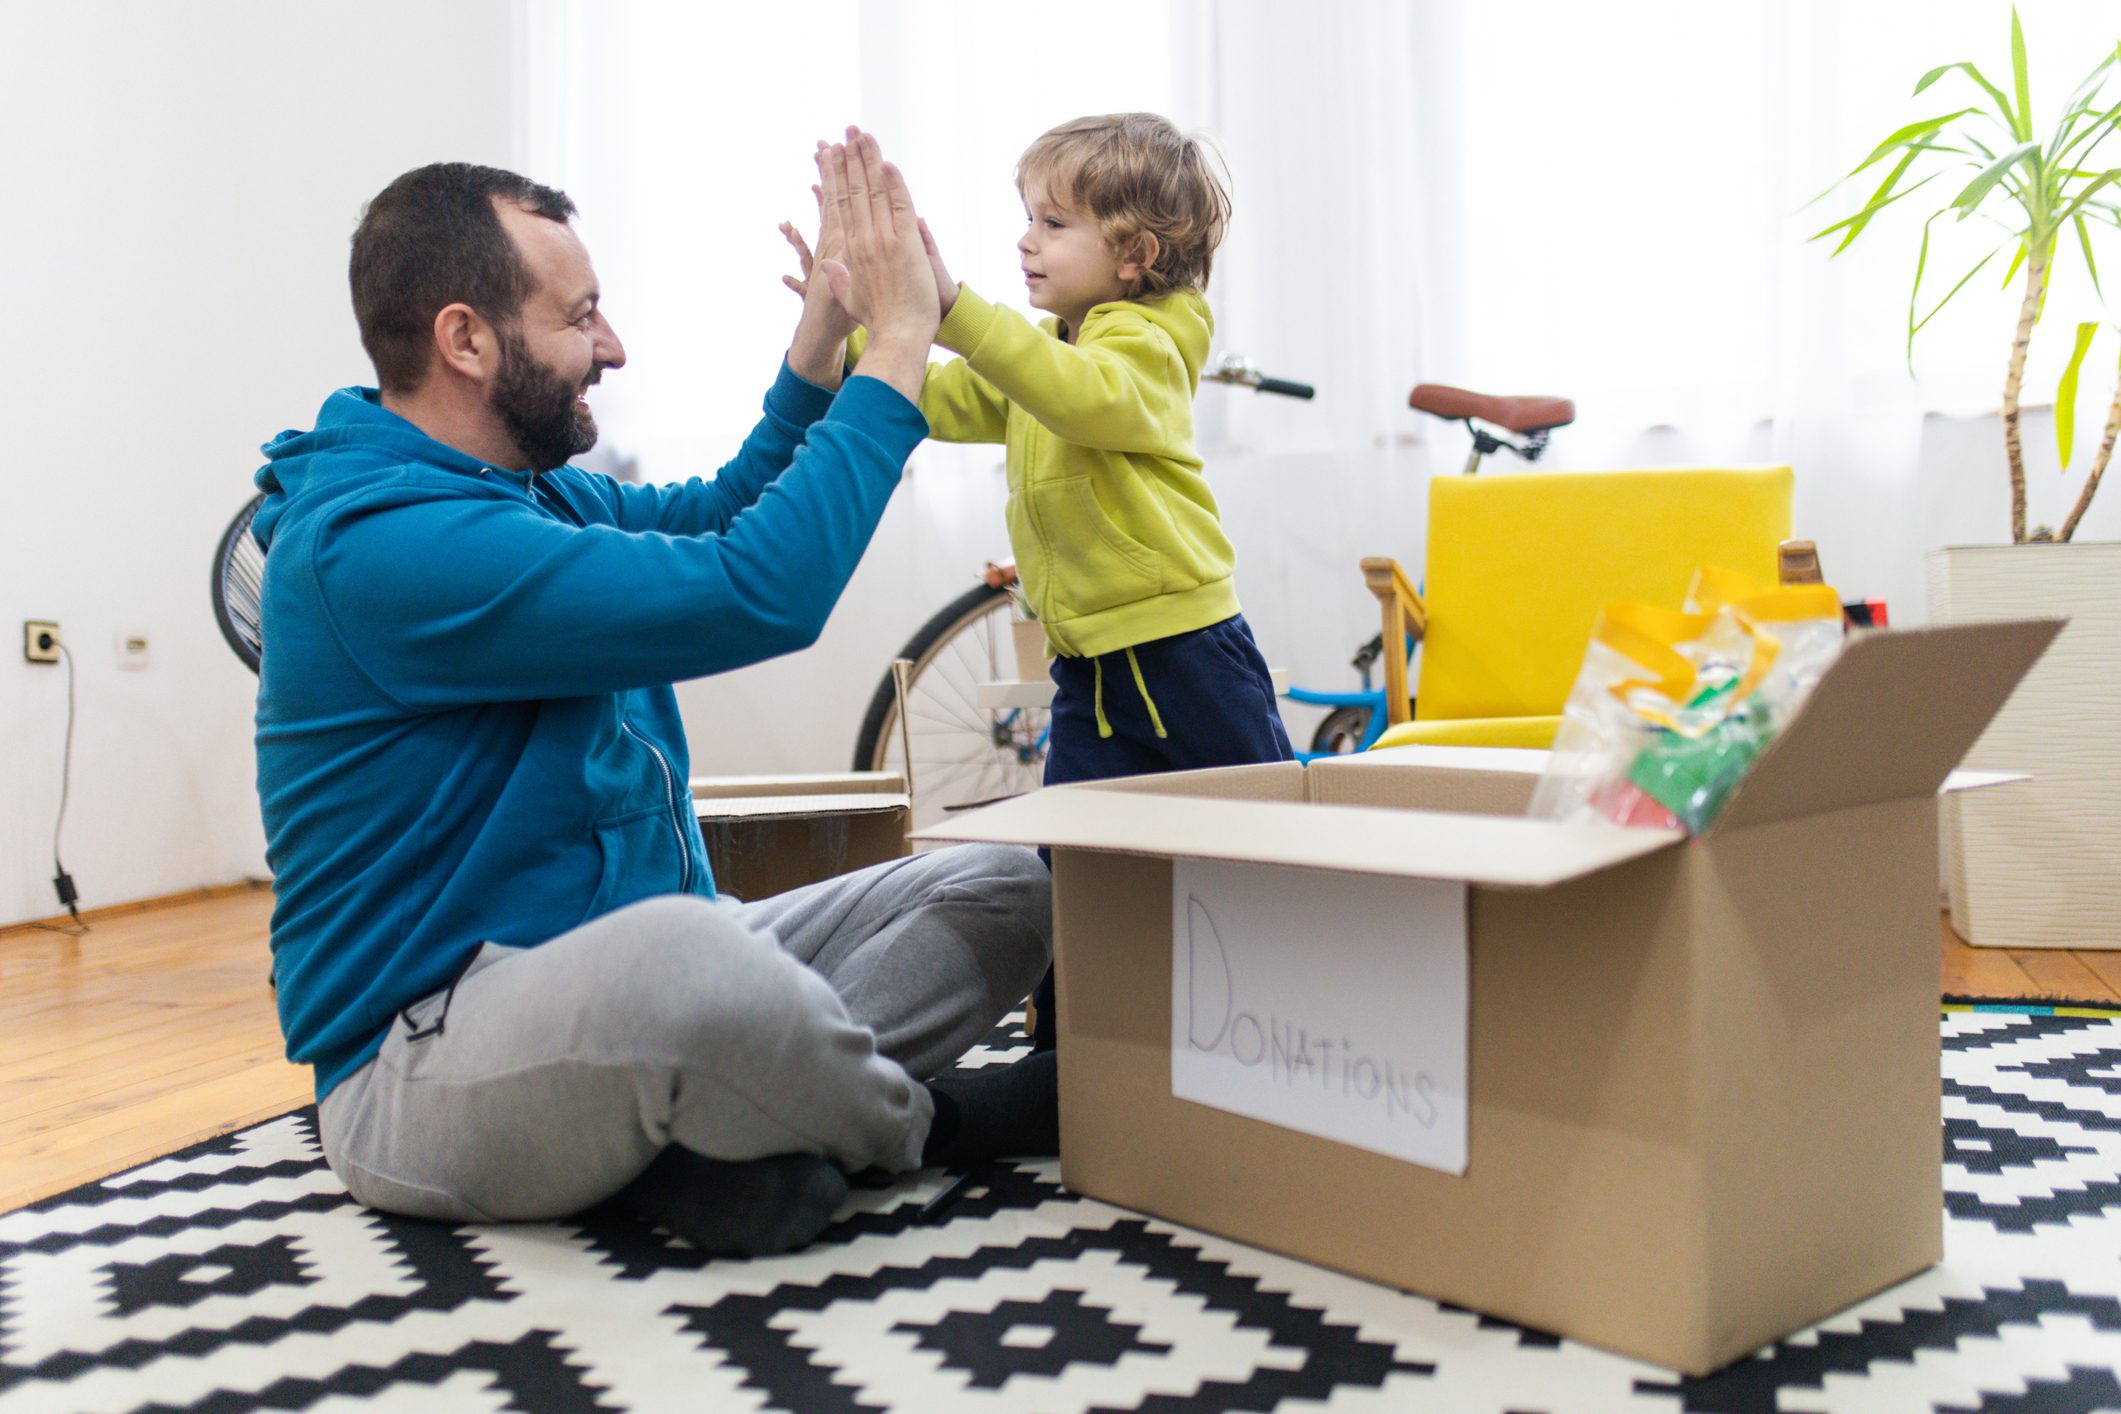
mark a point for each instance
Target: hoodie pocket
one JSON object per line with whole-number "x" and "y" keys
{"x": 641, "y": 860}
{"x": 1095, "y": 564}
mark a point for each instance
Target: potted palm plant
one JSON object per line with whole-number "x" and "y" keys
{"x": 2039, "y": 866}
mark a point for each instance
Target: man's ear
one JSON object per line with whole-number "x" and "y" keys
{"x": 466, "y": 343}
{"x": 1139, "y": 256}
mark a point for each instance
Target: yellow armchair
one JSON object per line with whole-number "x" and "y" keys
{"x": 1519, "y": 566}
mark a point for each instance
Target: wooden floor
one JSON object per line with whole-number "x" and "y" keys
{"x": 2005, "y": 974}
{"x": 157, "y": 1030}
{"x": 152, "y": 1031}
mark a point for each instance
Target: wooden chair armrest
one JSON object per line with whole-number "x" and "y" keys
{"x": 1404, "y": 618}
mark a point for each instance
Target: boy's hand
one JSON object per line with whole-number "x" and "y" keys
{"x": 945, "y": 287}
{"x": 818, "y": 352}
{"x": 884, "y": 280}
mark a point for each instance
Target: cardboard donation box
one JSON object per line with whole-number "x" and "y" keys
{"x": 768, "y": 834}
{"x": 1673, "y": 1097}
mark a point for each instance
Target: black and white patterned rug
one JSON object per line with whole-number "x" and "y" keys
{"x": 239, "y": 1276}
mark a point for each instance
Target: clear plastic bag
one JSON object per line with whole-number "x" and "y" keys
{"x": 1671, "y": 707}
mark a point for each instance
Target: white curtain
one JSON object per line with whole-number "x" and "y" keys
{"x": 1518, "y": 196}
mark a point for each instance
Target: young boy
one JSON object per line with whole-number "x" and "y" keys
{"x": 1117, "y": 540}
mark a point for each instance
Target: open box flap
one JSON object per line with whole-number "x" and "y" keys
{"x": 1890, "y": 719}
{"x": 1499, "y": 851}
{"x": 1514, "y": 761}
{"x": 1479, "y": 780}
{"x": 1507, "y": 760}
{"x": 820, "y": 783}
{"x": 1265, "y": 780}
{"x": 775, "y": 806}
{"x": 1980, "y": 780}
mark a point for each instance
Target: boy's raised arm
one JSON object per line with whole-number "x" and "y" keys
{"x": 960, "y": 405}
{"x": 1123, "y": 392}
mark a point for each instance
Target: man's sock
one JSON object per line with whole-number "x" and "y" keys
{"x": 747, "y": 1208}
{"x": 1000, "y": 1112}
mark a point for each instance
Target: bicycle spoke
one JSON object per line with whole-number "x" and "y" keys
{"x": 960, "y": 723}
{"x": 960, "y": 699}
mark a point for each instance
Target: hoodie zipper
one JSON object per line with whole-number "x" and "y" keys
{"x": 670, "y": 793}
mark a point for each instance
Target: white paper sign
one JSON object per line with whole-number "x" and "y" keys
{"x": 1334, "y": 1004}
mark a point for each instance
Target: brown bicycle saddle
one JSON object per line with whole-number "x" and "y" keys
{"x": 1523, "y": 416}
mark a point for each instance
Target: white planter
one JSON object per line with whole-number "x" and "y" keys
{"x": 2038, "y": 865}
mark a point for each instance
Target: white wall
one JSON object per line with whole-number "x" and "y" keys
{"x": 181, "y": 181}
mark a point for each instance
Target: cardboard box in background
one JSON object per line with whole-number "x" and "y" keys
{"x": 1704, "y": 1074}
{"x": 1033, "y": 664}
{"x": 768, "y": 834}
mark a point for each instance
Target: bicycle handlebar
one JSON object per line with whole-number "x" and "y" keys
{"x": 1239, "y": 370}
{"x": 1287, "y": 389}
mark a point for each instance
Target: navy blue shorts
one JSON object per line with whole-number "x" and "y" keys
{"x": 1211, "y": 692}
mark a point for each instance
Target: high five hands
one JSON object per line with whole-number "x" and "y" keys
{"x": 824, "y": 321}
{"x": 882, "y": 278}
{"x": 878, "y": 261}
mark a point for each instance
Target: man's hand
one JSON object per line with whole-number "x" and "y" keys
{"x": 818, "y": 351}
{"x": 884, "y": 280}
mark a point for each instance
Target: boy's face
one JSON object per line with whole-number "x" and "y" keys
{"x": 1068, "y": 267}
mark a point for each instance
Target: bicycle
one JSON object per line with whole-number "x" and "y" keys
{"x": 967, "y": 752}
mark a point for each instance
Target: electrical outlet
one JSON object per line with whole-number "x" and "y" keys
{"x": 132, "y": 648}
{"x": 40, "y": 641}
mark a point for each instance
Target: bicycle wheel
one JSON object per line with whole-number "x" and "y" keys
{"x": 1342, "y": 732}
{"x": 962, "y": 752}
{"x": 239, "y": 579}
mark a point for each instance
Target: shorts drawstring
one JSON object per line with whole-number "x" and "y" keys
{"x": 1097, "y": 695}
{"x": 1143, "y": 688}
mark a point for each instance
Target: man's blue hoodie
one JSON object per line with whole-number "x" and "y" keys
{"x": 466, "y": 730}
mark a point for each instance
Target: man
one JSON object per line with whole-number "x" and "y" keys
{"x": 496, "y": 937}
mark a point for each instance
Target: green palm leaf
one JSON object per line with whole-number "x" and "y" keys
{"x": 2024, "y": 124}
{"x": 1857, "y": 222}
{"x": 2066, "y": 394}
{"x": 2003, "y": 105}
{"x": 1914, "y": 294}
{"x": 1995, "y": 172}
{"x": 2106, "y": 178}
{"x": 2024, "y": 247}
{"x": 1903, "y": 136}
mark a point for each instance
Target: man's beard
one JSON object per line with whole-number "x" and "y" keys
{"x": 536, "y": 405}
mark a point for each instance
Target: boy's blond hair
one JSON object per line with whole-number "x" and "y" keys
{"x": 1138, "y": 175}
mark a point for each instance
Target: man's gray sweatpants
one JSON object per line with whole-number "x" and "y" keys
{"x": 547, "y": 1078}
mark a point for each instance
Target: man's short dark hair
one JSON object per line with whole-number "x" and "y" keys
{"x": 431, "y": 239}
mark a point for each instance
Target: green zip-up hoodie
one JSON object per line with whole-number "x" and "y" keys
{"x": 1116, "y": 534}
